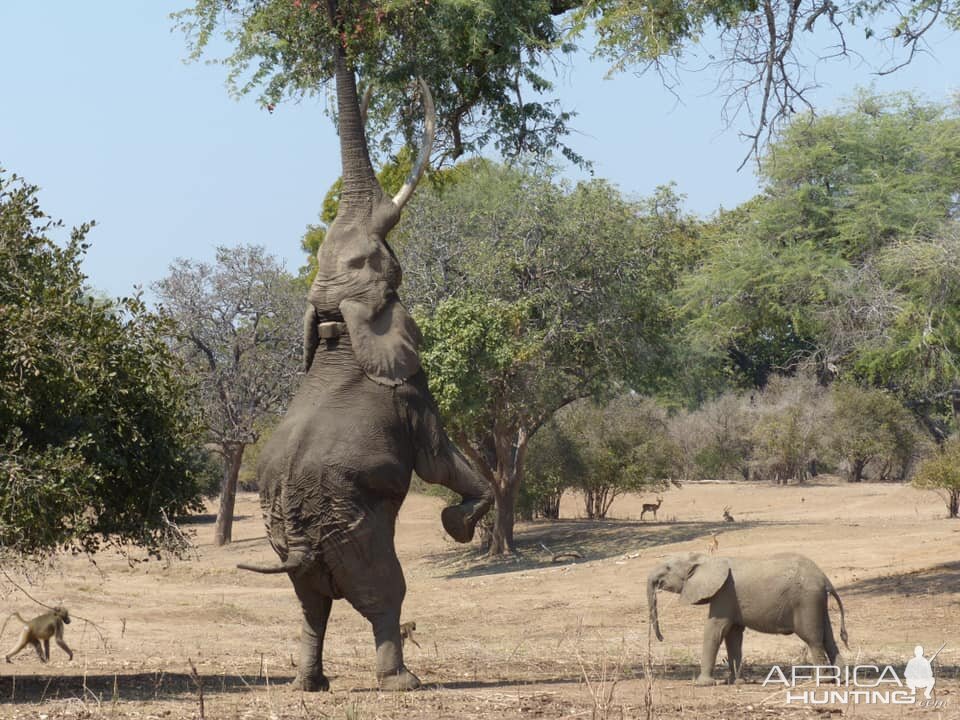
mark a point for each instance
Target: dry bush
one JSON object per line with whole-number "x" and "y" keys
{"x": 714, "y": 441}
{"x": 791, "y": 418}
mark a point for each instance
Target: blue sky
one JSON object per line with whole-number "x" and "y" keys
{"x": 100, "y": 111}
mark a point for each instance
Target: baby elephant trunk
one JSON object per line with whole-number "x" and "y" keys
{"x": 652, "y": 604}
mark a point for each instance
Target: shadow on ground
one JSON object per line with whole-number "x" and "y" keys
{"x": 539, "y": 542}
{"x": 939, "y": 579}
{"x": 138, "y": 687}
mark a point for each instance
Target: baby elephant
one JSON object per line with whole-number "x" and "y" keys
{"x": 780, "y": 594}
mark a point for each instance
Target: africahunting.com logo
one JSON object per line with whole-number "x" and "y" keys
{"x": 860, "y": 684}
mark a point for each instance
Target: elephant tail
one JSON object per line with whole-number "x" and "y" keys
{"x": 286, "y": 567}
{"x": 843, "y": 624}
{"x": 295, "y": 562}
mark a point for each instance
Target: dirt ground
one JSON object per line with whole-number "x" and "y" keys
{"x": 525, "y": 638}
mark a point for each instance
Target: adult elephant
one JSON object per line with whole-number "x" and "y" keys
{"x": 781, "y": 594}
{"x": 334, "y": 473}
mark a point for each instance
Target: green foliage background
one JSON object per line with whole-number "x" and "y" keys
{"x": 98, "y": 434}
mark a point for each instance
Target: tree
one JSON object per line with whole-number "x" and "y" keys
{"x": 552, "y": 464}
{"x": 623, "y": 446}
{"x": 872, "y": 424}
{"x": 97, "y": 439}
{"x": 530, "y": 296}
{"x": 237, "y": 325}
{"x": 915, "y": 354}
{"x": 480, "y": 60}
{"x": 794, "y": 274}
{"x": 713, "y": 441}
{"x": 765, "y": 68}
{"x": 789, "y": 432}
{"x": 941, "y": 472}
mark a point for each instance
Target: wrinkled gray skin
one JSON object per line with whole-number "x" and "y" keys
{"x": 334, "y": 473}
{"x": 780, "y": 594}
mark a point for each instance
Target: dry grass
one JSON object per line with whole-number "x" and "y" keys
{"x": 509, "y": 639}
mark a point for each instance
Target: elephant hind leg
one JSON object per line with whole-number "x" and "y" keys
{"x": 392, "y": 674}
{"x": 829, "y": 643}
{"x": 376, "y": 591}
{"x": 316, "y": 612}
{"x": 814, "y": 641}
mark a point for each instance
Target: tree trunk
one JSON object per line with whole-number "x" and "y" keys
{"x": 856, "y": 470}
{"x": 511, "y": 451}
{"x": 232, "y": 458}
{"x": 501, "y": 537}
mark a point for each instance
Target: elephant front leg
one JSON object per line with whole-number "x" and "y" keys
{"x": 712, "y": 636}
{"x": 452, "y": 470}
{"x": 316, "y": 613}
{"x": 734, "y": 644}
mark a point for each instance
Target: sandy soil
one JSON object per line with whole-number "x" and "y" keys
{"x": 509, "y": 639}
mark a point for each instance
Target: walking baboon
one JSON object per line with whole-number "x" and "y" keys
{"x": 406, "y": 633}
{"x": 40, "y": 630}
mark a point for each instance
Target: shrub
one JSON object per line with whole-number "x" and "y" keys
{"x": 791, "y": 415}
{"x": 941, "y": 472}
{"x": 872, "y": 426}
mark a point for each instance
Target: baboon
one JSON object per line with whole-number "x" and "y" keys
{"x": 39, "y": 630}
{"x": 406, "y": 633}
{"x": 651, "y": 507}
{"x": 727, "y": 517}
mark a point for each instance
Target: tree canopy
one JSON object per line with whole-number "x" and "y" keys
{"x": 97, "y": 438}
{"x": 483, "y": 61}
{"x": 530, "y": 295}
{"x": 826, "y": 263}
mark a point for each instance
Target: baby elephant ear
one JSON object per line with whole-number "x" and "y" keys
{"x": 385, "y": 341}
{"x": 705, "y": 580}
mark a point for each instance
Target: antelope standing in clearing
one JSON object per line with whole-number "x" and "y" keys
{"x": 651, "y": 507}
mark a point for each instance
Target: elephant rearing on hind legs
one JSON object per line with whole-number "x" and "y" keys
{"x": 334, "y": 473}
{"x": 781, "y": 594}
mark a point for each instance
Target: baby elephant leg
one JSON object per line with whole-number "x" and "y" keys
{"x": 734, "y": 644}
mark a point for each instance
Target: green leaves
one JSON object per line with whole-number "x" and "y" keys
{"x": 475, "y": 348}
{"x": 96, "y": 437}
{"x": 480, "y": 58}
{"x": 839, "y": 251}
{"x": 532, "y": 294}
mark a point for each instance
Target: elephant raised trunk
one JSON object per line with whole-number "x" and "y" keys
{"x": 652, "y": 584}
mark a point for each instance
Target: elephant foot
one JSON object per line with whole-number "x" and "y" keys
{"x": 312, "y": 684}
{"x": 460, "y": 520}
{"x": 399, "y": 680}
{"x": 705, "y": 681}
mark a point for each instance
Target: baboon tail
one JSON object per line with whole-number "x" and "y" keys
{"x": 843, "y": 624}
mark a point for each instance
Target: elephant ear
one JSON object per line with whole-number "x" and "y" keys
{"x": 385, "y": 340}
{"x": 705, "y": 580}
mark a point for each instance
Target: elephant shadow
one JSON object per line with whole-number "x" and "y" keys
{"x": 133, "y": 687}
{"x": 539, "y": 542}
